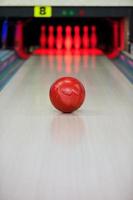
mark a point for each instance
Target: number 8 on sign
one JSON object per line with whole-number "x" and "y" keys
{"x": 42, "y": 11}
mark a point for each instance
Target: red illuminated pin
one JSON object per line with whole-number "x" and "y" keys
{"x": 77, "y": 39}
{"x": 59, "y": 38}
{"x": 51, "y": 38}
{"x": 42, "y": 37}
{"x": 93, "y": 37}
{"x": 85, "y": 37}
{"x": 68, "y": 38}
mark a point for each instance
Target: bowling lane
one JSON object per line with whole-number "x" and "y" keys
{"x": 45, "y": 154}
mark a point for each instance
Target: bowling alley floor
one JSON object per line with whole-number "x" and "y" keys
{"x": 45, "y": 154}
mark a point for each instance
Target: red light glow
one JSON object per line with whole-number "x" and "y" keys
{"x": 115, "y": 29}
{"x": 19, "y": 36}
{"x": 82, "y": 43}
{"x": 42, "y": 37}
{"x": 85, "y": 37}
{"x": 77, "y": 63}
{"x": 77, "y": 39}
{"x": 18, "y": 43}
{"x": 68, "y": 38}
{"x": 82, "y": 13}
{"x": 68, "y": 63}
{"x": 59, "y": 38}
{"x": 59, "y": 63}
{"x": 93, "y": 37}
{"x": 51, "y": 39}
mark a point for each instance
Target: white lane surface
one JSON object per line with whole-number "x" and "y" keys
{"x": 45, "y": 154}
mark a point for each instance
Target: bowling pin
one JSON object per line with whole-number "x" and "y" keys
{"x": 77, "y": 39}
{"x": 68, "y": 38}
{"x": 42, "y": 37}
{"x": 59, "y": 38}
{"x": 93, "y": 37}
{"x": 51, "y": 37}
{"x": 85, "y": 38}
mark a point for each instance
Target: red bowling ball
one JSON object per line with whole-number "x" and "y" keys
{"x": 67, "y": 94}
